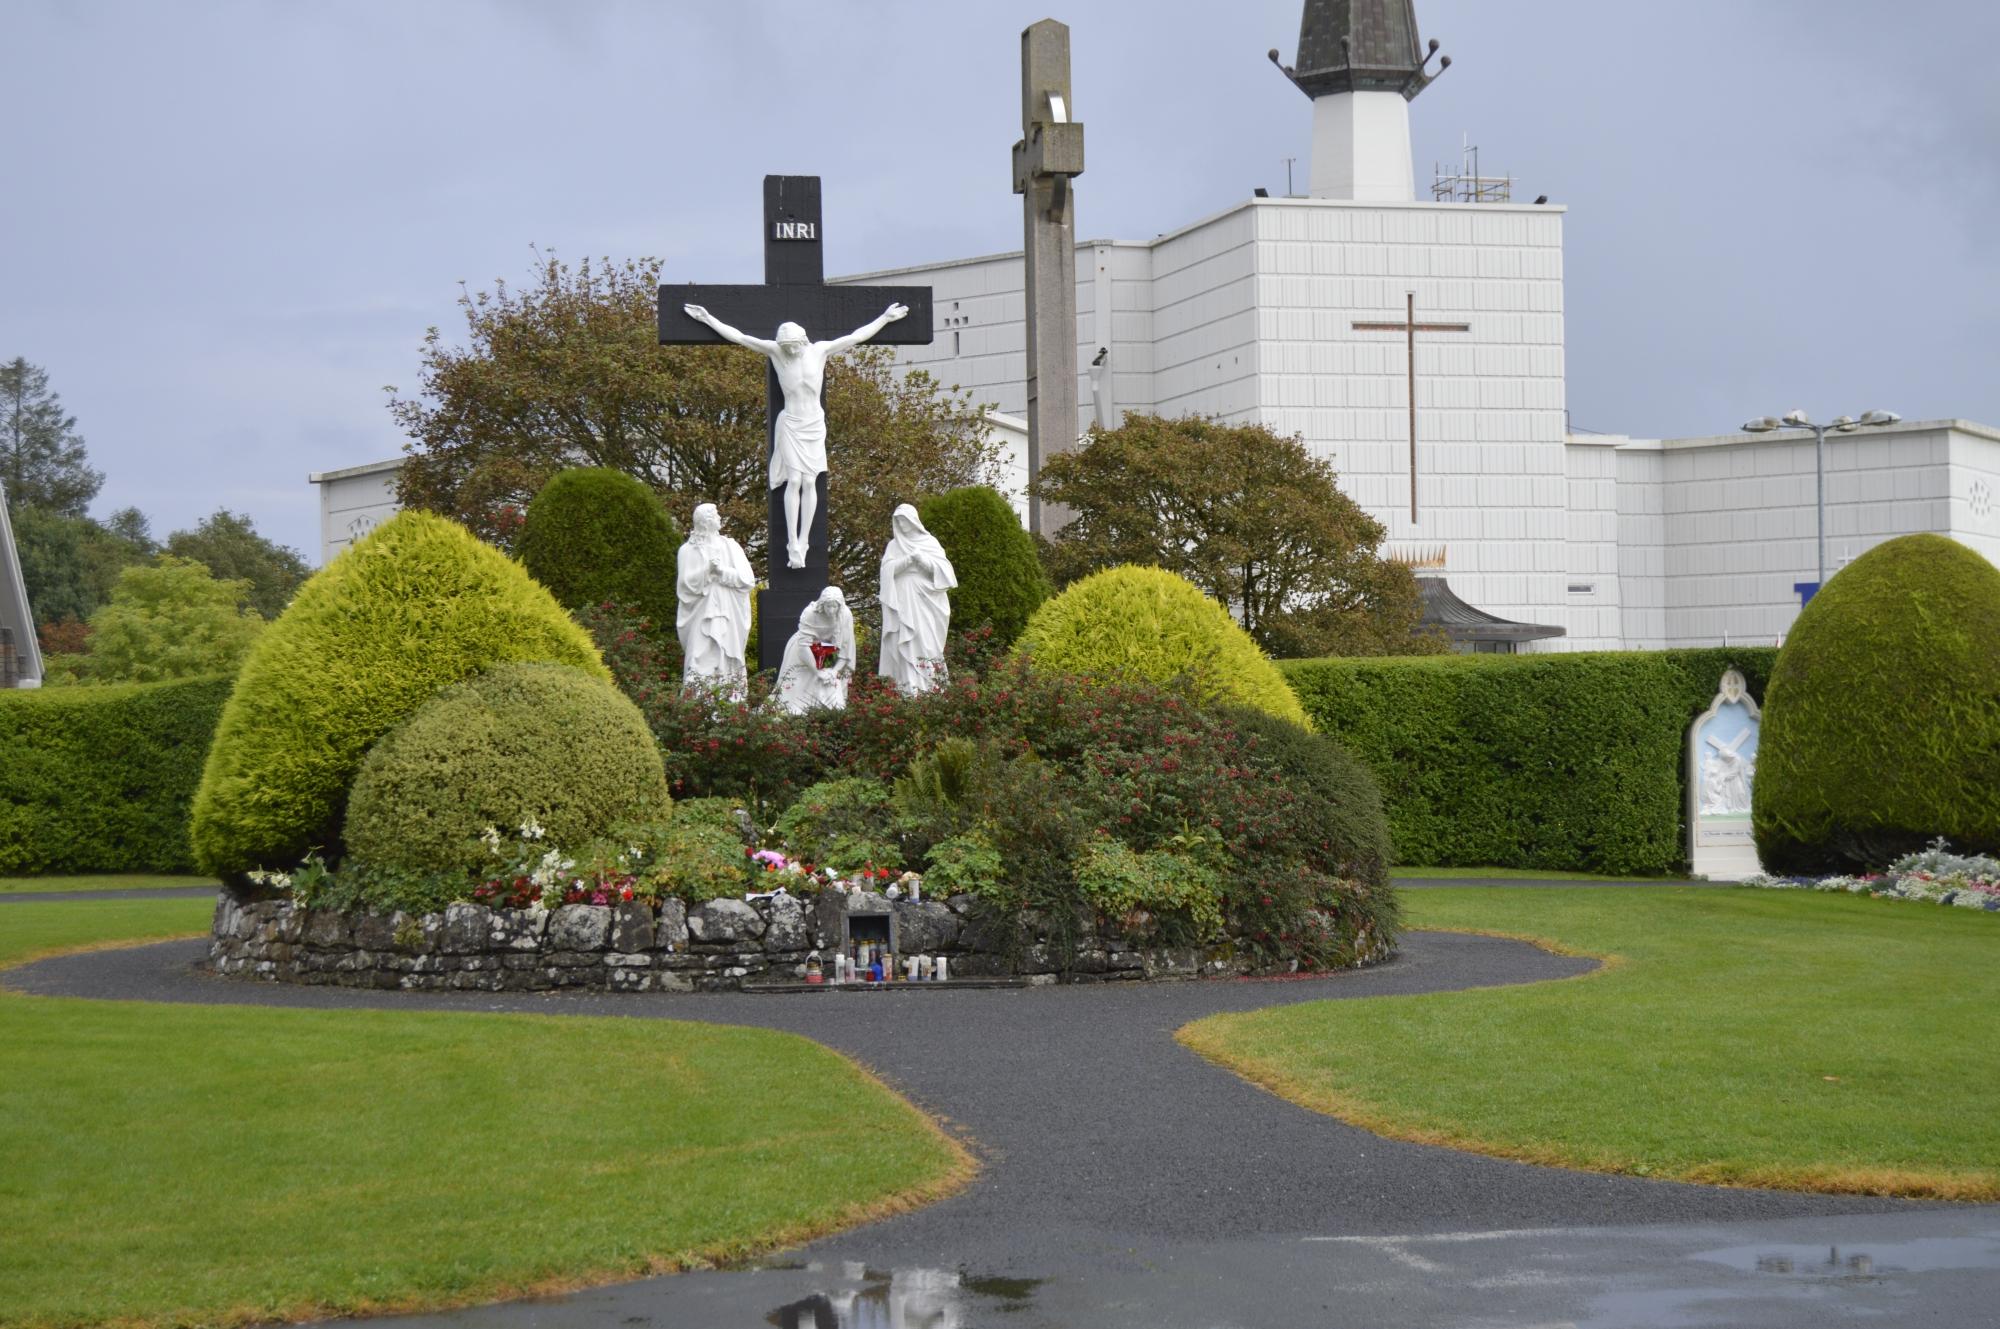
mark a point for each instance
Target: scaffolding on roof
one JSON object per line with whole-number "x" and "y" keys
{"x": 1467, "y": 185}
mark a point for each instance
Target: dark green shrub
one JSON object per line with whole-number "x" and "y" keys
{"x": 100, "y": 779}
{"x": 1000, "y": 579}
{"x": 1573, "y": 762}
{"x": 694, "y": 854}
{"x": 1882, "y": 726}
{"x": 521, "y": 743}
{"x": 1169, "y": 898}
{"x": 844, "y": 824}
{"x": 1151, "y": 624}
{"x": 417, "y": 606}
{"x": 1340, "y": 822}
{"x": 966, "y": 864}
{"x": 594, "y": 536}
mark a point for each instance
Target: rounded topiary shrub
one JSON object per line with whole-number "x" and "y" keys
{"x": 595, "y": 535}
{"x": 520, "y": 741}
{"x": 1149, "y": 623}
{"x": 1342, "y": 823}
{"x": 1000, "y": 580}
{"x": 1882, "y": 716}
{"x": 420, "y": 604}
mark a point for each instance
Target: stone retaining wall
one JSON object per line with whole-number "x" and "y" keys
{"x": 637, "y": 947}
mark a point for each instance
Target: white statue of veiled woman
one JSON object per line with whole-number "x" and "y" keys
{"x": 808, "y": 680}
{"x": 714, "y": 582}
{"x": 916, "y": 611}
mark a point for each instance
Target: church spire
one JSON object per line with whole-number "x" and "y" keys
{"x": 1361, "y": 46}
{"x": 1361, "y": 61}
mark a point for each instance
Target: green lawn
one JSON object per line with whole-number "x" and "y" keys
{"x": 1514, "y": 874}
{"x": 114, "y": 881}
{"x": 1744, "y": 1037}
{"x": 177, "y": 1165}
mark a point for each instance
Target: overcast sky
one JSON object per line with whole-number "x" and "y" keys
{"x": 225, "y": 226}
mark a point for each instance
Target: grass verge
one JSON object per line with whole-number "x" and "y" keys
{"x": 1739, "y": 1037}
{"x": 102, "y": 881}
{"x": 183, "y": 1165}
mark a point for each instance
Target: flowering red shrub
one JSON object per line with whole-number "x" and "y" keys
{"x": 1142, "y": 761}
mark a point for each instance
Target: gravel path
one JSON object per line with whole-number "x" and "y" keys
{"x": 1107, "y": 1147}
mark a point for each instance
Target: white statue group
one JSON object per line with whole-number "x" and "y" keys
{"x": 715, "y": 580}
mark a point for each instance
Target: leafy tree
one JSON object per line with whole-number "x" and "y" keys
{"x": 69, "y": 563}
{"x": 568, "y": 371}
{"x": 41, "y": 454}
{"x": 1253, "y": 519}
{"x": 230, "y": 546}
{"x": 135, "y": 529}
{"x": 171, "y": 619}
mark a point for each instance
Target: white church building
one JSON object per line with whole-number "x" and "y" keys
{"x": 1295, "y": 313}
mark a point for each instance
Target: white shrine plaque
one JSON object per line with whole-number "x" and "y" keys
{"x": 1721, "y": 767}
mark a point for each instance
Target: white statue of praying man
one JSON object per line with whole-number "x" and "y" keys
{"x": 714, "y": 581}
{"x": 819, "y": 658}
{"x": 916, "y": 611}
{"x": 798, "y": 447}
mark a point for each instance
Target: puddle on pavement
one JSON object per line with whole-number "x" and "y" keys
{"x": 862, "y": 1298}
{"x": 1925, "y": 1255}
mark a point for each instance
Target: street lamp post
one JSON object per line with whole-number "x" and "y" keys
{"x": 1845, "y": 424}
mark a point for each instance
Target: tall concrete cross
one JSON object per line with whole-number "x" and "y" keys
{"x": 1409, "y": 327}
{"x": 794, "y": 291}
{"x": 1048, "y": 157}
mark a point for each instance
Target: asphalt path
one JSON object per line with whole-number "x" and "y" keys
{"x": 1127, "y": 1181}
{"x": 122, "y": 893}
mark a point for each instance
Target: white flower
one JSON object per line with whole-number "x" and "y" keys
{"x": 491, "y": 835}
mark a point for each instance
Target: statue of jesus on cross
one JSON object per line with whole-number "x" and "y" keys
{"x": 798, "y": 446}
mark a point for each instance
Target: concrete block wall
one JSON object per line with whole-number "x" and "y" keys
{"x": 1492, "y": 471}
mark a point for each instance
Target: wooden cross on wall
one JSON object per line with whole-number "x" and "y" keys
{"x": 795, "y": 291}
{"x": 1409, "y": 327}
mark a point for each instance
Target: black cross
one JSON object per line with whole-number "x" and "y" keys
{"x": 794, "y": 290}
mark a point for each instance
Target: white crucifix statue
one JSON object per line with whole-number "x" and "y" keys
{"x": 798, "y": 444}
{"x": 795, "y": 321}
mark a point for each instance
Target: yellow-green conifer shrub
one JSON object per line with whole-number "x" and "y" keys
{"x": 1152, "y": 624}
{"x": 417, "y": 606}
{"x": 1882, "y": 716}
{"x": 521, "y": 741}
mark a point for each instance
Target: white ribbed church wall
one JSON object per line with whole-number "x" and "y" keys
{"x": 1204, "y": 319}
{"x": 1642, "y": 540}
{"x": 980, "y": 310}
{"x": 1975, "y": 490}
{"x": 1738, "y": 518}
{"x": 1593, "y": 600}
{"x": 1493, "y": 476}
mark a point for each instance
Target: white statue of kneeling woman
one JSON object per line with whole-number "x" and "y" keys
{"x": 714, "y": 582}
{"x": 916, "y": 609}
{"x": 819, "y": 658}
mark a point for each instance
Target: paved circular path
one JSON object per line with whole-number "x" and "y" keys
{"x": 1112, "y": 1153}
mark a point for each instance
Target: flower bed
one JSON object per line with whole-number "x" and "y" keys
{"x": 1934, "y": 875}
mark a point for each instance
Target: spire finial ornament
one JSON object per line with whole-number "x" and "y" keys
{"x": 1361, "y": 46}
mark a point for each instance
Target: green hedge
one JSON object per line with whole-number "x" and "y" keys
{"x": 100, "y": 779}
{"x": 1570, "y": 762}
